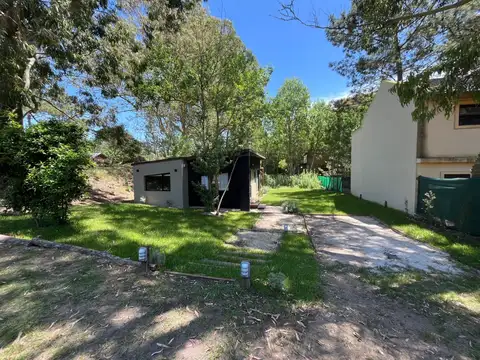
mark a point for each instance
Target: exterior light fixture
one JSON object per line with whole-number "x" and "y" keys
{"x": 143, "y": 257}
{"x": 142, "y": 254}
{"x": 245, "y": 274}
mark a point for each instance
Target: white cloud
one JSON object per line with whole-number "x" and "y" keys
{"x": 332, "y": 96}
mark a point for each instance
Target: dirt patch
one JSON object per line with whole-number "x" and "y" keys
{"x": 357, "y": 321}
{"x": 55, "y": 304}
{"x": 109, "y": 185}
{"x": 273, "y": 219}
{"x": 259, "y": 240}
{"x": 365, "y": 242}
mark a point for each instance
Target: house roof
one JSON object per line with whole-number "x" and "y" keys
{"x": 99, "y": 154}
{"x": 242, "y": 153}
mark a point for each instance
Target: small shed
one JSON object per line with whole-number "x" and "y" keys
{"x": 99, "y": 158}
{"x": 170, "y": 182}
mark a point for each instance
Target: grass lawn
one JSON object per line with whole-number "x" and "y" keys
{"x": 185, "y": 236}
{"x": 465, "y": 250}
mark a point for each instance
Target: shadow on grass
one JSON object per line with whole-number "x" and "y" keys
{"x": 185, "y": 236}
{"x": 55, "y": 304}
{"x": 62, "y": 305}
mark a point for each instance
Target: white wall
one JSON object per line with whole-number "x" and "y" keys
{"x": 177, "y": 194}
{"x": 445, "y": 139}
{"x": 384, "y": 153}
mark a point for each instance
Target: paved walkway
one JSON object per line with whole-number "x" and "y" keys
{"x": 273, "y": 219}
{"x": 365, "y": 242}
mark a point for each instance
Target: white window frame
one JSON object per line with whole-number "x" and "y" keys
{"x": 457, "y": 125}
{"x": 205, "y": 182}
{"x": 223, "y": 182}
{"x": 455, "y": 173}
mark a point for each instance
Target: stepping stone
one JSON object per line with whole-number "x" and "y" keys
{"x": 241, "y": 258}
{"x": 240, "y": 253}
{"x": 219, "y": 263}
{"x": 261, "y": 240}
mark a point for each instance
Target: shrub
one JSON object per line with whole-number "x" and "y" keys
{"x": 52, "y": 161}
{"x": 290, "y": 207}
{"x": 277, "y": 281}
{"x": 275, "y": 181}
{"x": 306, "y": 180}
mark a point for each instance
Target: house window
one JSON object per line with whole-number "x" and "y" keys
{"x": 205, "y": 182}
{"x": 469, "y": 115}
{"x": 223, "y": 182}
{"x": 456, "y": 176}
{"x": 157, "y": 182}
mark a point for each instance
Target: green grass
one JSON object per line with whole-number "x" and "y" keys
{"x": 465, "y": 250}
{"x": 185, "y": 236}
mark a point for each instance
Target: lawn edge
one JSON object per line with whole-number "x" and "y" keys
{"x": 5, "y": 239}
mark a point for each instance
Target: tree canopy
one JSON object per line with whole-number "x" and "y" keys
{"x": 45, "y": 45}
{"x": 411, "y": 42}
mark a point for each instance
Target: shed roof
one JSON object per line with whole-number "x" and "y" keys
{"x": 242, "y": 152}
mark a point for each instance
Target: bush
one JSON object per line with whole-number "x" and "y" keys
{"x": 52, "y": 161}
{"x": 290, "y": 207}
{"x": 305, "y": 180}
{"x": 278, "y": 180}
{"x": 277, "y": 282}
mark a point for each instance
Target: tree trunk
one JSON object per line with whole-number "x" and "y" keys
{"x": 26, "y": 87}
{"x": 398, "y": 57}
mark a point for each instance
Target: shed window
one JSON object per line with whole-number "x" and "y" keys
{"x": 157, "y": 182}
{"x": 223, "y": 182}
{"x": 469, "y": 115}
{"x": 205, "y": 182}
{"x": 456, "y": 176}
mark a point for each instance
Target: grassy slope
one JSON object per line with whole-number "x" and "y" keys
{"x": 466, "y": 251}
{"x": 186, "y": 236}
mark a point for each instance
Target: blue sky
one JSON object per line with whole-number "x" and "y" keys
{"x": 290, "y": 48}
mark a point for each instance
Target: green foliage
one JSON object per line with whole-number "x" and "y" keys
{"x": 305, "y": 180}
{"x": 277, "y": 180}
{"x": 12, "y": 172}
{"x": 282, "y": 164}
{"x": 290, "y": 207}
{"x": 284, "y": 139}
{"x": 401, "y": 41}
{"x": 118, "y": 144}
{"x": 50, "y": 164}
{"x": 277, "y": 282}
{"x": 205, "y": 91}
{"x": 337, "y": 141}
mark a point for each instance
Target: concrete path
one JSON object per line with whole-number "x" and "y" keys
{"x": 365, "y": 242}
{"x": 273, "y": 219}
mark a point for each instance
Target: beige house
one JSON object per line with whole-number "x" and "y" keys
{"x": 389, "y": 150}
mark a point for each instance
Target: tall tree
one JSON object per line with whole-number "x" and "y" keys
{"x": 348, "y": 115}
{"x": 39, "y": 41}
{"x": 45, "y": 45}
{"x": 118, "y": 144}
{"x": 410, "y": 42}
{"x": 206, "y": 72}
{"x": 320, "y": 115}
{"x": 290, "y": 115}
